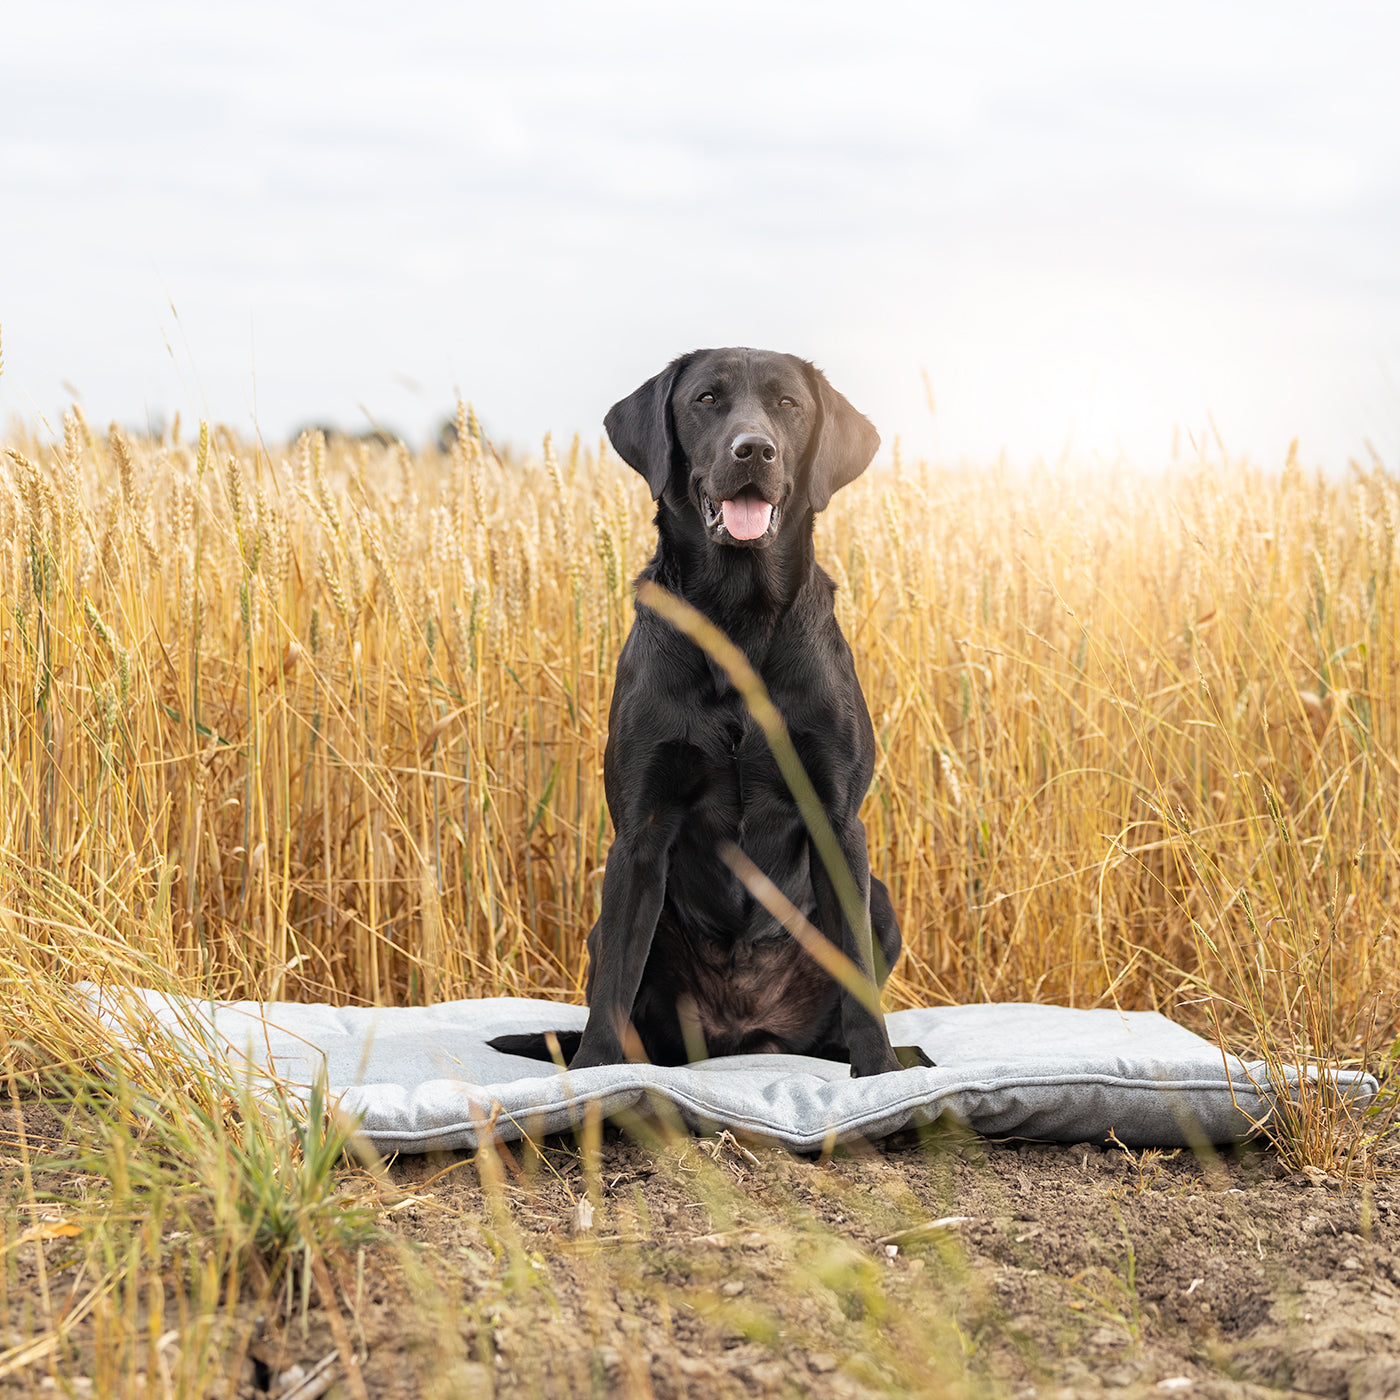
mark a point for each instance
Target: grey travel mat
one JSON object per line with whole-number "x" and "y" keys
{"x": 423, "y": 1078}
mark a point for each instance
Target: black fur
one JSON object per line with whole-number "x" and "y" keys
{"x": 682, "y": 960}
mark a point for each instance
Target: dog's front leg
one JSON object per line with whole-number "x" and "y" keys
{"x": 864, "y": 1031}
{"x": 634, "y": 887}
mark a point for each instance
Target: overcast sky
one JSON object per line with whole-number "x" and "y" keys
{"x": 1086, "y": 223}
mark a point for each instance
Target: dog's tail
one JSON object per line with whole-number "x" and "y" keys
{"x": 536, "y": 1046}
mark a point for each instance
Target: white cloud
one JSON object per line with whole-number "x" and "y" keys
{"x": 1089, "y": 215}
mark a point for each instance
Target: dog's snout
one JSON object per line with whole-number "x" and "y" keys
{"x": 753, "y": 448}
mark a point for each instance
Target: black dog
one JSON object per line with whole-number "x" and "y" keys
{"x": 741, "y": 448}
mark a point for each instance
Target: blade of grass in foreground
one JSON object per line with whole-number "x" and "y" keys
{"x": 819, "y": 948}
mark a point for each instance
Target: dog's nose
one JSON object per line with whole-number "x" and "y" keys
{"x": 753, "y": 447}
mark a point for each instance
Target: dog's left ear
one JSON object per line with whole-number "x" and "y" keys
{"x": 842, "y": 447}
{"x": 642, "y": 429}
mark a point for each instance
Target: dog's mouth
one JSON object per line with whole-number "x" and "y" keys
{"x": 745, "y": 518}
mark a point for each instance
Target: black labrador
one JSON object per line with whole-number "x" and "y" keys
{"x": 741, "y": 449}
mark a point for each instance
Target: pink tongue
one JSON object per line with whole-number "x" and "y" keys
{"x": 746, "y": 517}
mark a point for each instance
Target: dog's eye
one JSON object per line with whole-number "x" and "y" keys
{"x": 787, "y": 402}
{"x": 706, "y": 397}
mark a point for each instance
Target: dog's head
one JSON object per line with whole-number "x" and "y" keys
{"x": 748, "y": 438}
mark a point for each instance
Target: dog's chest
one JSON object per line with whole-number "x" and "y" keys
{"x": 743, "y": 781}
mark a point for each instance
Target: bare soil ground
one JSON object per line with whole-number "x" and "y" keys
{"x": 712, "y": 1268}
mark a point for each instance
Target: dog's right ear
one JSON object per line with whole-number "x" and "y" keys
{"x": 642, "y": 429}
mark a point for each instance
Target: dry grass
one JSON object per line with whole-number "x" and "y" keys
{"x": 328, "y": 723}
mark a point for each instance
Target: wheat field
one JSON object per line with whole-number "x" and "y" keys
{"x": 326, "y": 721}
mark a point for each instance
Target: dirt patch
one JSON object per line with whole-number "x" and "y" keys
{"x": 1071, "y": 1270}
{"x": 711, "y": 1268}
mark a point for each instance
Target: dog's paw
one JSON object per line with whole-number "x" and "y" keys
{"x": 884, "y": 1064}
{"x": 890, "y": 1061}
{"x": 590, "y": 1057}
